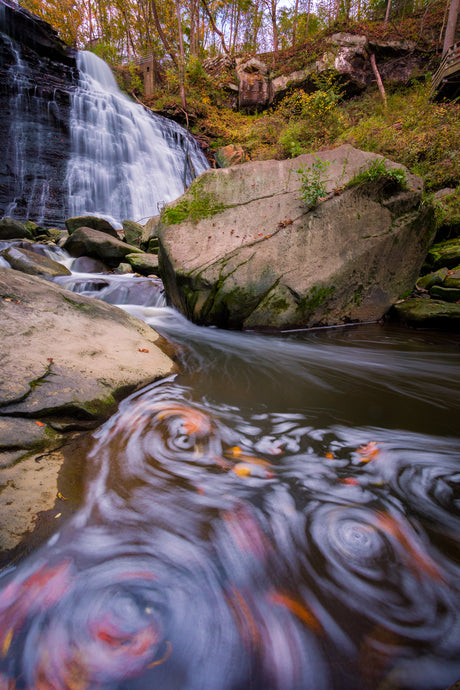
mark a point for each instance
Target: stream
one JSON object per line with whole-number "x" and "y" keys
{"x": 283, "y": 514}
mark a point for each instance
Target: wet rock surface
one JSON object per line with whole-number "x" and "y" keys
{"x": 98, "y": 245}
{"x": 37, "y": 77}
{"x": 66, "y": 362}
{"x": 32, "y": 263}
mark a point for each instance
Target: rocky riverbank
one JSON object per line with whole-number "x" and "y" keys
{"x": 67, "y": 360}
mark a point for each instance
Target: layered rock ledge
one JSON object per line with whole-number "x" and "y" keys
{"x": 66, "y": 362}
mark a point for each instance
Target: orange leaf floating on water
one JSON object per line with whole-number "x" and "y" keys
{"x": 350, "y": 480}
{"x": 6, "y": 643}
{"x": 165, "y": 656}
{"x": 243, "y": 457}
{"x": 415, "y": 559}
{"x": 242, "y": 470}
{"x": 236, "y": 451}
{"x": 298, "y": 609}
{"x": 368, "y": 451}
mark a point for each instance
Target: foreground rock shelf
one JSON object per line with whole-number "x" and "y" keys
{"x": 66, "y": 362}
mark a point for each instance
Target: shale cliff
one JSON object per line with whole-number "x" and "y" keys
{"x": 37, "y": 76}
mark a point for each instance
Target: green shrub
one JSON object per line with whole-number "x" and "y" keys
{"x": 377, "y": 170}
{"x": 313, "y": 183}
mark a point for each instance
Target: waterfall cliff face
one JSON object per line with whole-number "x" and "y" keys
{"x": 125, "y": 162}
{"x": 37, "y": 77}
{"x": 73, "y": 143}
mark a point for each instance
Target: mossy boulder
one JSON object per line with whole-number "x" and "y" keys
{"x": 427, "y": 313}
{"x": 453, "y": 278}
{"x": 260, "y": 257}
{"x": 445, "y": 254}
{"x": 436, "y": 278}
{"x": 12, "y": 229}
{"x": 132, "y": 232}
{"x": 448, "y": 294}
{"x": 145, "y": 264}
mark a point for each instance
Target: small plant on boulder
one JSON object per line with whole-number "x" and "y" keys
{"x": 378, "y": 171}
{"x": 313, "y": 183}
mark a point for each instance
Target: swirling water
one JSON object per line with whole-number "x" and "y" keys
{"x": 283, "y": 514}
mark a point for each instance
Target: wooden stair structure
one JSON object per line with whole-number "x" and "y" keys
{"x": 446, "y": 80}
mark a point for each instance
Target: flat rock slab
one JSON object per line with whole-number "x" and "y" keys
{"x": 38, "y": 494}
{"x": 64, "y": 354}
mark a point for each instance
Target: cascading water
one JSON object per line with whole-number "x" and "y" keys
{"x": 125, "y": 162}
{"x": 74, "y": 144}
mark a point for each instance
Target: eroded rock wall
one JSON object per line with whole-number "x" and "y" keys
{"x": 37, "y": 76}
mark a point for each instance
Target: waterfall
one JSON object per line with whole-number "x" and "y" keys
{"x": 73, "y": 143}
{"x": 125, "y": 162}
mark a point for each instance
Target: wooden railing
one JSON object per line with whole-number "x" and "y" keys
{"x": 447, "y": 76}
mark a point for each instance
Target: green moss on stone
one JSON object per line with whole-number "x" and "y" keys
{"x": 192, "y": 207}
{"x": 315, "y": 298}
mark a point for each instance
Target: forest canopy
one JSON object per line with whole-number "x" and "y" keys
{"x": 125, "y": 30}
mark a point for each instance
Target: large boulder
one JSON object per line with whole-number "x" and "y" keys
{"x": 262, "y": 258}
{"x": 68, "y": 356}
{"x": 97, "y": 245}
{"x": 253, "y": 84}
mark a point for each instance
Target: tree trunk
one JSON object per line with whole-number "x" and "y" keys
{"x": 449, "y": 37}
{"x": 182, "y": 57}
{"x": 379, "y": 80}
{"x": 308, "y": 20}
{"x": 161, "y": 34}
{"x": 294, "y": 23}
{"x": 387, "y": 13}
{"x": 274, "y": 27}
{"x": 214, "y": 27}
